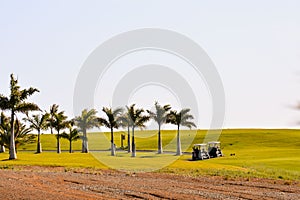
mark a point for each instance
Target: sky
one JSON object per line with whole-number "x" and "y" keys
{"x": 254, "y": 45}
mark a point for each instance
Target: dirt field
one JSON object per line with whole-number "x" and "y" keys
{"x": 55, "y": 183}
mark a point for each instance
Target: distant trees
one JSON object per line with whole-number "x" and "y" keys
{"x": 181, "y": 118}
{"x": 126, "y": 122}
{"x": 71, "y": 136}
{"x": 112, "y": 121}
{"x": 14, "y": 133}
{"x": 52, "y": 112}
{"x": 85, "y": 121}
{"x": 15, "y": 103}
{"x": 137, "y": 120}
{"x": 160, "y": 117}
{"x": 38, "y": 122}
{"x": 59, "y": 123}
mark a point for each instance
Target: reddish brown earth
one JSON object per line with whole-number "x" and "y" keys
{"x": 56, "y": 183}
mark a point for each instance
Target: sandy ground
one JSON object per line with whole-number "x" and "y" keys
{"x": 56, "y": 183}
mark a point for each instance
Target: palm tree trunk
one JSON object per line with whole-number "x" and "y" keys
{"x": 12, "y": 147}
{"x": 85, "y": 148}
{"x": 133, "y": 154}
{"x": 178, "y": 153}
{"x": 70, "y": 149}
{"x": 160, "y": 150}
{"x": 113, "y": 151}
{"x": 2, "y": 148}
{"x": 58, "y": 143}
{"x": 128, "y": 140}
{"x": 51, "y": 127}
{"x": 39, "y": 145}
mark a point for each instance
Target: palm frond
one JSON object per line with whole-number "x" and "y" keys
{"x": 104, "y": 122}
{"x": 53, "y": 109}
{"x": 188, "y": 124}
{"x": 87, "y": 120}
{"x": 24, "y": 94}
{"x": 25, "y": 107}
{"x": 4, "y": 103}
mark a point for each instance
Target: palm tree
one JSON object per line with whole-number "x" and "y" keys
{"x": 112, "y": 121}
{"x": 125, "y": 121}
{"x": 52, "y": 113}
{"x": 87, "y": 120}
{"x": 137, "y": 120}
{"x": 4, "y": 128}
{"x": 180, "y": 119}
{"x": 160, "y": 116}
{"x": 59, "y": 123}
{"x": 21, "y": 135}
{"x": 38, "y": 122}
{"x": 71, "y": 136}
{"x": 16, "y": 103}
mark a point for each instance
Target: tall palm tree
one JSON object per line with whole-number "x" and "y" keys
{"x": 160, "y": 116}
{"x": 85, "y": 121}
{"x": 181, "y": 118}
{"x": 38, "y": 122}
{"x": 112, "y": 121}
{"x": 125, "y": 121}
{"x": 52, "y": 113}
{"x": 71, "y": 136}
{"x": 16, "y": 102}
{"x": 59, "y": 123}
{"x": 137, "y": 120}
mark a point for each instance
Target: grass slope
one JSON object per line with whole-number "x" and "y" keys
{"x": 258, "y": 153}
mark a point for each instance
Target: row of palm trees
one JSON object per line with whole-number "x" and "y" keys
{"x": 37, "y": 122}
{"x": 130, "y": 118}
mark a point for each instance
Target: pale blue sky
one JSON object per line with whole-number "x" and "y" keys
{"x": 255, "y": 46}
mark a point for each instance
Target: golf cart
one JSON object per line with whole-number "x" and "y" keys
{"x": 214, "y": 149}
{"x": 200, "y": 152}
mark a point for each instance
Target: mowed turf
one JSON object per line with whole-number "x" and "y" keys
{"x": 257, "y": 153}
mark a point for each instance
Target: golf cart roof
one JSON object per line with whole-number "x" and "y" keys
{"x": 199, "y": 145}
{"x": 216, "y": 142}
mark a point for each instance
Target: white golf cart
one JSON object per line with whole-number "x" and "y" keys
{"x": 200, "y": 152}
{"x": 214, "y": 149}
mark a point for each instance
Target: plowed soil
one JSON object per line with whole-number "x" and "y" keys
{"x": 57, "y": 183}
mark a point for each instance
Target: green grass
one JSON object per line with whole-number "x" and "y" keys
{"x": 75, "y": 160}
{"x": 258, "y": 153}
{"x": 143, "y": 162}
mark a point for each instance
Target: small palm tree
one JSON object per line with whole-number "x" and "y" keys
{"x": 16, "y": 102}
{"x": 4, "y": 128}
{"x": 21, "y": 135}
{"x": 160, "y": 116}
{"x": 125, "y": 121}
{"x": 112, "y": 121}
{"x": 180, "y": 119}
{"x": 85, "y": 121}
{"x": 137, "y": 120}
{"x": 71, "y": 136}
{"x": 38, "y": 122}
{"x": 52, "y": 113}
{"x": 59, "y": 123}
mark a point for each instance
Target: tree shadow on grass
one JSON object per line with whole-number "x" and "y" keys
{"x": 147, "y": 156}
{"x": 6, "y": 160}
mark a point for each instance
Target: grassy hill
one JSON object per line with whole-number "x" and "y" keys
{"x": 258, "y": 153}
